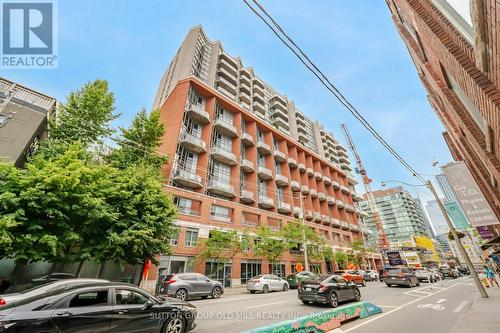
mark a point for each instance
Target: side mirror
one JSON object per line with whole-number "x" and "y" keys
{"x": 148, "y": 304}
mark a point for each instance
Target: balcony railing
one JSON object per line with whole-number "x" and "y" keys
{"x": 284, "y": 208}
{"x": 313, "y": 193}
{"x": 225, "y": 128}
{"x": 187, "y": 178}
{"x": 326, "y": 219}
{"x": 308, "y": 215}
{"x": 340, "y": 204}
{"x": 266, "y": 202}
{"x": 279, "y": 156}
{"x": 302, "y": 168}
{"x": 263, "y": 148}
{"x": 226, "y": 85}
{"x": 281, "y": 180}
{"x": 336, "y": 222}
{"x": 295, "y": 186}
{"x": 198, "y": 113}
{"x": 345, "y": 189}
{"x": 327, "y": 180}
{"x": 310, "y": 172}
{"x": 349, "y": 208}
{"x": 297, "y": 211}
{"x": 246, "y": 139}
{"x": 321, "y": 196}
{"x": 305, "y": 189}
{"x": 344, "y": 225}
{"x": 247, "y": 197}
{"x": 192, "y": 143}
{"x": 330, "y": 200}
{"x": 247, "y": 166}
{"x": 223, "y": 155}
{"x": 335, "y": 185}
{"x": 317, "y": 216}
{"x": 292, "y": 162}
{"x": 264, "y": 173}
{"x": 318, "y": 175}
{"x": 220, "y": 187}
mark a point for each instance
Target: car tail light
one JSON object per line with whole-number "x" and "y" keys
{"x": 385, "y": 274}
{"x": 170, "y": 281}
{"x": 2, "y": 302}
{"x": 322, "y": 287}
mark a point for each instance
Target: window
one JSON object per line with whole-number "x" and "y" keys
{"x": 187, "y": 206}
{"x": 175, "y": 238}
{"x": 129, "y": 297}
{"x": 220, "y": 213}
{"x": 277, "y": 269}
{"x": 89, "y": 299}
{"x": 220, "y": 172}
{"x": 191, "y": 237}
{"x": 338, "y": 279}
{"x": 249, "y": 270}
{"x": 277, "y": 168}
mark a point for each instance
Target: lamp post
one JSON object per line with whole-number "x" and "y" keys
{"x": 301, "y": 215}
{"x": 460, "y": 246}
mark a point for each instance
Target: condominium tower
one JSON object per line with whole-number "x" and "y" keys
{"x": 242, "y": 155}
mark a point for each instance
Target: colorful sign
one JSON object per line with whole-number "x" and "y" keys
{"x": 456, "y": 215}
{"x": 484, "y": 232}
{"x": 299, "y": 268}
{"x": 471, "y": 199}
{"x": 428, "y": 244}
{"x": 394, "y": 258}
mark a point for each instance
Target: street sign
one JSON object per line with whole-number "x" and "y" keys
{"x": 456, "y": 215}
{"x": 394, "y": 258}
{"x": 299, "y": 268}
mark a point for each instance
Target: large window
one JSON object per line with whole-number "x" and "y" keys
{"x": 315, "y": 268}
{"x": 224, "y": 115}
{"x": 277, "y": 269}
{"x": 249, "y": 270}
{"x": 220, "y": 213}
{"x": 220, "y": 171}
{"x": 191, "y": 237}
{"x": 187, "y": 206}
{"x": 129, "y": 297}
{"x": 92, "y": 298}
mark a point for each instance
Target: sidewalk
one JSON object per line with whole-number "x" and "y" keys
{"x": 482, "y": 316}
{"x": 235, "y": 290}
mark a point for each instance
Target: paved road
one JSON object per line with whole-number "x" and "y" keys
{"x": 440, "y": 305}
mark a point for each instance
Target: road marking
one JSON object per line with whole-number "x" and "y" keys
{"x": 387, "y": 306}
{"x": 266, "y": 304}
{"x": 398, "y": 308}
{"x": 441, "y": 300}
{"x": 438, "y": 307}
{"x": 461, "y": 306}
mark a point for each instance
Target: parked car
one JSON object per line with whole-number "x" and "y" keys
{"x": 332, "y": 290}
{"x": 437, "y": 274}
{"x": 184, "y": 286}
{"x": 448, "y": 273}
{"x": 373, "y": 274}
{"x": 98, "y": 306}
{"x": 266, "y": 283}
{"x": 367, "y": 277}
{"x": 400, "y": 276}
{"x": 351, "y": 275}
{"x": 296, "y": 278}
{"x": 463, "y": 270}
{"x": 423, "y": 274}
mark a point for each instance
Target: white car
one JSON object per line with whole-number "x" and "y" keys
{"x": 423, "y": 274}
{"x": 373, "y": 274}
{"x": 266, "y": 283}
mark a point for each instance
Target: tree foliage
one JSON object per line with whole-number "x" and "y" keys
{"x": 341, "y": 259}
{"x": 270, "y": 245}
{"x": 221, "y": 245}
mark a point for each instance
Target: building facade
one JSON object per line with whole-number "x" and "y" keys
{"x": 455, "y": 50}
{"x": 436, "y": 217}
{"x": 400, "y": 214}
{"x": 445, "y": 187}
{"x": 24, "y": 114}
{"x": 242, "y": 156}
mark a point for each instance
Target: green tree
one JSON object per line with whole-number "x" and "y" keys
{"x": 294, "y": 233}
{"x": 270, "y": 245}
{"x": 220, "y": 246}
{"x": 139, "y": 142}
{"x": 341, "y": 259}
{"x": 359, "y": 250}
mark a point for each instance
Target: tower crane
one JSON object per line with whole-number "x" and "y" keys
{"x": 382, "y": 237}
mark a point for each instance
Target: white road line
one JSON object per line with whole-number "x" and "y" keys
{"x": 398, "y": 308}
{"x": 461, "y": 306}
{"x": 387, "y": 306}
{"x": 266, "y": 304}
{"x": 420, "y": 291}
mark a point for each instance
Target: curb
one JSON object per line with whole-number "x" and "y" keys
{"x": 321, "y": 322}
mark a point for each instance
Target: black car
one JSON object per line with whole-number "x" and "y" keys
{"x": 448, "y": 273}
{"x": 97, "y": 306}
{"x": 332, "y": 290}
{"x": 400, "y": 276}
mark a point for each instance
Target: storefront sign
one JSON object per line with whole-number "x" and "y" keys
{"x": 476, "y": 208}
{"x": 394, "y": 258}
{"x": 485, "y": 232}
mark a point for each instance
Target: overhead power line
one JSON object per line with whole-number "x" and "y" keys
{"x": 261, "y": 12}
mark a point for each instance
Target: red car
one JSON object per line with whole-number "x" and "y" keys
{"x": 351, "y": 275}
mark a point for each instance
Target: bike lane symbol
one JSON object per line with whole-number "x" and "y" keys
{"x": 437, "y": 307}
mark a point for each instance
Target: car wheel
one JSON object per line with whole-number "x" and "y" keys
{"x": 265, "y": 289}
{"x": 285, "y": 286}
{"x": 334, "y": 300}
{"x": 305, "y": 302}
{"x": 216, "y": 292}
{"x": 363, "y": 283}
{"x": 252, "y": 291}
{"x": 174, "y": 325}
{"x": 357, "y": 295}
{"x": 418, "y": 283}
{"x": 389, "y": 285}
{"x": 181, "y": 294}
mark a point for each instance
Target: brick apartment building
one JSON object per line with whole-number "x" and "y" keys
{"x": 456, "y": 50}
{"x": 243, "y": 155}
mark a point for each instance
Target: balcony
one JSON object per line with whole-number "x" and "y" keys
{"x": 246, "y": 139}
{"x": 335, "y": 185}
{"x": 192, "y": 143}
{"x": 314, "y": 193}
{"x": 247, "y": 197}
{"x": 227, "y": 86}
{"x": 280, "y": 113}
{"x": 310, "y": 172}
{"x": 222, "y": 155}
{"x": 318, "y": 175}
{"x": 187, "y": 178}
{"x": 220, "y": 187}
{"x": 230, "y": 76}
{"x": 297, "y": 212}
{"x": 266, "y": 202}
{"x": 340, "y": 204}
{"x": 327, "y": 180}
{"x": 292, "y": 162}
{"x": 302, "y": 168}
{"x": 326, "y": 219}
{"x": 198, "y": 113}
{"x": 281, "y": 180}
{"x": 344, "y": 225}
{"x": 308, "y": 215}
{"x": 305, "y": 189}
{"x": 245, "y": 97}
{"x": 263, "y": 148}
{"x": 354, "y": 227}
{"x": 280, "y": 123}
{"x": 352, "y": 180}
{"x": 264, "y": 173}
{"x": 317, "y": 216}
{"x": 321, "y": 196}
{"x": 295, "y": 186}
{"x": 330, "y": 200}
{"x": 279, "y": 156}
{"x": 258, "y": 107}
{"x": 356, "y": 197}
{"x": 345, "y": 166}
{"x": 225, "y": 128}
{"x": 228, "y": 63}
{"x": 247, "y": 166}
{"x": 284, "y": 208}
{"x": 349, "y": 208}
{"x": 345, "y": 189}
{"x": 335, "y": 222}
{"x": 258, "y": 89}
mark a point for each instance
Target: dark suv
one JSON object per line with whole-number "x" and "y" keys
{"x": 400, "y": 276}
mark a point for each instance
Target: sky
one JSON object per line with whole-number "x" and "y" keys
{"x": 355, "y": 43}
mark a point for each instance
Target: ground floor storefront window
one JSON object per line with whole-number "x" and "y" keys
{"x": 277, "y": 269}
{"x": 315, "y": 268}
{"x": 329, "y": 267}
{"x": 220, "y": 271}
{"x": 249, "y": 269}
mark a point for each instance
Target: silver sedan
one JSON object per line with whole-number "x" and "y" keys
{"x": 266, "y": 283}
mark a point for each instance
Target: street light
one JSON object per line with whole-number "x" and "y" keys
{"x": 460, "y": 246}
{"x": 301, "y": 215}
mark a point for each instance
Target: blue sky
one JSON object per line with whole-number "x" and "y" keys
{"x": 130, "y": 43}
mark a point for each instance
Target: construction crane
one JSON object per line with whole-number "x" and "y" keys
{"x": 382, "y": 237}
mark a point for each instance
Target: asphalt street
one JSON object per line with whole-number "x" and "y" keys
{"x": 428, "y": 308}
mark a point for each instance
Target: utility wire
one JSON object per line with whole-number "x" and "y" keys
{"x": 326, "y": 82}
